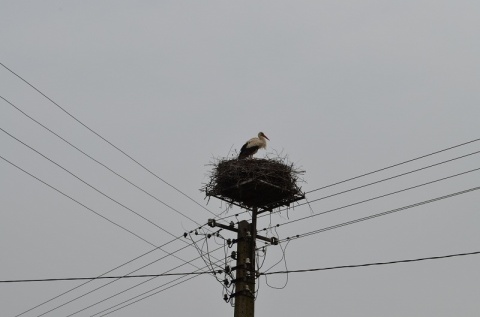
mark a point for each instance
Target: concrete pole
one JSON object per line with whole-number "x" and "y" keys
{"x": 245, "y": 273}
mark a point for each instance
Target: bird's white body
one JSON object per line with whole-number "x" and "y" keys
{"x": 253, "y": 145}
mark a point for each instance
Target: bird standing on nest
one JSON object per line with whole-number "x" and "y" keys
{"x": 252, "y": 146}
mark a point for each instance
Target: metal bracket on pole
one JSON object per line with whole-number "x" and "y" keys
{"x": 212, "y": 223}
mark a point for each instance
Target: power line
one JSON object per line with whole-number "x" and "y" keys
{"x": 298, "y": 236}
{"x": 370, "y": 199}
{"x": 87, "y": 183}
{"x": 289, "y": 239}
{"x": 138, "y": 284}
{"x": 90, "y": 209}
{"x": 76, "y": 201}
{"x": 105, "y": 195}
{"x": 394, "y": 165}
{"x": 108, "y": 277}
{"x": 102, "y": 286}
{"x": 84, "y": 182}
{"x": 147, "y": 296}
{"x": 293, "y": 271}
{"x": 398, "y": 175}
{"x": 104, "y": 139}
{"x": 103, "y": 274}
{"x": 96, "y": 161}
{"x": 371, "y": 264}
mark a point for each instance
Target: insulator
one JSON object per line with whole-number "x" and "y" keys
{"x": 196, "y": 232}
{"x": 229, "y": 242}
{"x": 185, "y": 234}
{"x": 225, "y": 297}
{"x": 226, "y": 282}
{"x": 232, "y": 224}
{"x": 228, "y": 269}
{"x": 209, "y": 236}
{"x": 234, "y": 255}
{"x": 211, "y": 222}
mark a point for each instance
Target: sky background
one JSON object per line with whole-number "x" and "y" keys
{"x": 341, "y": 87}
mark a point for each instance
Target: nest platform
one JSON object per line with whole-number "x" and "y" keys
{"x": 265, "y": 184}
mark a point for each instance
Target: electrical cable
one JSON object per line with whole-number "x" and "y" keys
{"x": 105, "y": 195}
{"x": 96, "y": 161}
{"x": 99, "y": 276}
{"x": 394, "y": 165}
{"x": 398, "y": 175}
{"x": 145, "y": 297}
{"x": 370, "y": 199}
{"x": 84, "y": 182}
{"x": 76, "y": 201}
{"x": 371, "y": 264}
{"x": 116, "y": 294}
{"x": 284, "y": 250}
{"x": 141, "y": 283}
{"x": 306, "y": 234}
{"x": 88, "y": 208}
{"x": 104, "y": 139}
{"x": 107, "y": 277}
{"x": 329, "y": 228}
{"x": 385, "y": 179}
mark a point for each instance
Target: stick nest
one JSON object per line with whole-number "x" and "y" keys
{"x": 263, "y": 183}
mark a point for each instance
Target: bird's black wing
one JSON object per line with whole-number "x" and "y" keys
{"x": 247, "y": 151}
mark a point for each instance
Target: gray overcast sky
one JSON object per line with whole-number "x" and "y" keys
{"x": 342, "y": 87}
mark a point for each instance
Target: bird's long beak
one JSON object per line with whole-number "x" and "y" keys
{"x": 266, "y": 137}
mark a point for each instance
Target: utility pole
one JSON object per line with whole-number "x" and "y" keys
{"x": 245, "y": 271}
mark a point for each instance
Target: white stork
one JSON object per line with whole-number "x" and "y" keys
{"x": 252, "y": 146}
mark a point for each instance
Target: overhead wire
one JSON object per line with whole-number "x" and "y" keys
{"x": 143, "y": 282}
{"x": 76, "y": 201}
{"x": 90, "y": 209}
{"x": 99, "y": 276}
{"x": 394, "y": 165}
{"x": 260, "y": 273}
{"x": 104, "y": 139}
{"x": 84, "y": 182}
{"x": 128, "y": 262}
{"x": 68, "y": 279}
{"x": 105, "y": 195}
{"x": 306, "y": 234}
{"x": 118, "y": 293}
{"x": 322, "y": 230}
{"x": 99, "y": 191}
{"x": 145, "y": 293}
{"x": 96, "y": 161}
{"x": 370, "y": 199}
{"x": 398, "y": 175}
{"x": 371, "y": 264}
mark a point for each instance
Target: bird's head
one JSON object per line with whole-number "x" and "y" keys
{"x": 261, "y": 134}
